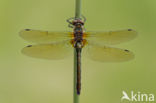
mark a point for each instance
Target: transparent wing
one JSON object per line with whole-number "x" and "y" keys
{"x": 49, "y": 51}
{"x": 108, "y": 54}
{"x": 37, "y": 36}
{"x": 112, "y": 37}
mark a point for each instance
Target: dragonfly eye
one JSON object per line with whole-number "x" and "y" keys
{"x": 82, "y": 23}
{"x": 78, "y": 22}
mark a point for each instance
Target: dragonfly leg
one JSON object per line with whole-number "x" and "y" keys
{"x": 84, "y": 18}
{"x": 70, "y": 20}
{"x": 70, "y": 26}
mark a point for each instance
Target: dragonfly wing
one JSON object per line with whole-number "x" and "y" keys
{"x": 109, "y": 54}
{"x": 112, "y": 37}
{"x": 37, "y": 36}
{"x": 48, "y": 51}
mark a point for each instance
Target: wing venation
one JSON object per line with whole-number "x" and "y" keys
{"x": 111, "y": 37}
{"x": 48, "y": 51}
{"x": 37, "y": 36}
{"x": 108, "y": 54}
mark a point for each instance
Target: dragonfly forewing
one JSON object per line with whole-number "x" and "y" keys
{"x": 111, "y": 37}
{"x": 44, "y": 37}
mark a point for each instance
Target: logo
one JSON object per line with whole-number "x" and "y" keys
{"x": 137, "y": 96}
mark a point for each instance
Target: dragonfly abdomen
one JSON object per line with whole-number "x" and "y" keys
{"x": 78, "y": 84}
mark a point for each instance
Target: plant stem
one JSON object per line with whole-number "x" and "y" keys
{"x": 78, "y": 9}
{"x": 77, "y": 15}
{"x": 76, "y": 96}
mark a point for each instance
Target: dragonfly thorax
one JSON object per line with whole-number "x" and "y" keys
{"x": 78, "y": 33}
{"x": 78, "y": 30}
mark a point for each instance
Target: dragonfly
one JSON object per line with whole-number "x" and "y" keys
{"x": 98, "y": 45}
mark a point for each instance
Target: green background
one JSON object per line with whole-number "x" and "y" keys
{"x": 27, "y": 80}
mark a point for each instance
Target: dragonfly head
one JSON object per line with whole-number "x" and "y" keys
{"x": 78, "y": 22}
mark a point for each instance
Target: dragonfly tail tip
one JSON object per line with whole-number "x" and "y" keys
{"x": 78, "y": 92}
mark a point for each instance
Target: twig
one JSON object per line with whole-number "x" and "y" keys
{"x": 78, "y": 9}
{"x": 77, "y": 15}
{"x": 75, "y": 95}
